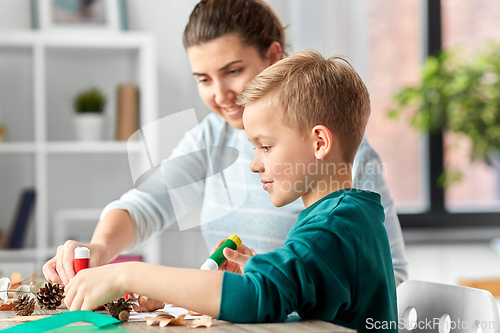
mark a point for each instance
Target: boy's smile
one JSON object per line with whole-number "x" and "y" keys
{"x": 281, "y": 155}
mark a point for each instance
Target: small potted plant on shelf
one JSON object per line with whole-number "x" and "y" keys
{"x": 460, "y": 94}
{"x": 89, "y": 107}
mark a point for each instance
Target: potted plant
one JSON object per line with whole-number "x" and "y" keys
{"x": 459, "y": 94}
{"x": 89, "y": 107}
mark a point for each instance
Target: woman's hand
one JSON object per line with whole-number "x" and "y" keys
{"x": 60, "y": 269}
{"x": 235, "y": 259}
{"x": 96, "y": 286}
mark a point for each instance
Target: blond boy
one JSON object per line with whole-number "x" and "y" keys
{"x": 306, "y": 117}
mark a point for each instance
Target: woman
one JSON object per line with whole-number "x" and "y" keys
{"x": 228, "y": 42}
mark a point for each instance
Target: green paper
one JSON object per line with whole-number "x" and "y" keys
{"x": 100, "y": 321}
{"x": 87, "y": 328}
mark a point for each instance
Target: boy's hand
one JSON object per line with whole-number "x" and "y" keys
{"x": 60, "y": 269}
{"x": 235, "y": 259}
{"x": 96, "y": 286}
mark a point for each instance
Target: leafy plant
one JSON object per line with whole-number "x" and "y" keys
{"x": 458, "y": 94}
{"x": 91, "y": 100}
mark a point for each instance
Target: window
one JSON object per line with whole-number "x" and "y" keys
{"x": 394, "y": 61}
{"x": 401, "y": 34}
{"x": 468, "y": 23}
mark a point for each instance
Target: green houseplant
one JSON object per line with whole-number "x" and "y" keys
{"x": 89, "y": 106}
{"x": 461, "y": 94}
{"x": 91, "y": 100}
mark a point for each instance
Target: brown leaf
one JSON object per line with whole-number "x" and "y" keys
{"x": 162, "y": 321}
{"x": 204, "y": 321}
{"x": 14, "y": 286}
{"x": 192, "y": 313}
{"x": 153, "y": 321}
{"x": 164, "y": 315}
{"x": 148, "y": 305}
{"x": 7, "y": 306}
{"x": 179, "y": 321}
{"x": 15, "y": 278}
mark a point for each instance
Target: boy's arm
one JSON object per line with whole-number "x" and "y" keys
{"x": 193, "y": 289}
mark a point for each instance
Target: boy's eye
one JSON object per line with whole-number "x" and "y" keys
{"x": 265, "y": 148}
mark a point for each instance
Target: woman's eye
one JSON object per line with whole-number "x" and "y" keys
{"x": 234, "y": 71}
{"x": 203, "y": 80}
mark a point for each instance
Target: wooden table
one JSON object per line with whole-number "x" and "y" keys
{"x": 218, "y": 326}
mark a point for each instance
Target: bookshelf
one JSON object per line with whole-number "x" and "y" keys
{"x": 41, "y": 72}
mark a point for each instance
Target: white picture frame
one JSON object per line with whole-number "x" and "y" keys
{"x": 77, "y": 15}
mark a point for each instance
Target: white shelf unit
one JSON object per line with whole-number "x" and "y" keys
{"x": 49, "y": 145}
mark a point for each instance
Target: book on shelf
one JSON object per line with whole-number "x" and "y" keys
{"x": 22, "y": 217}
{"x": 127, "y": 111}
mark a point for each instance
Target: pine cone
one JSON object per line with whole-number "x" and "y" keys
{"x": 50, "y": 296}
{"x": 114, "y": 308}
{"x": 25, "y": 305}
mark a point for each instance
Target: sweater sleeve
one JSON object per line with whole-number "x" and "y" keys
{"x": 368, "y": 175}
{"x": 152, "y": 206}
{"x": 312, "y": 280}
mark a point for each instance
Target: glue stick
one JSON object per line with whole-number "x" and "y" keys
{"x": 82, "y": 258}
{"x": 217, "y": 258}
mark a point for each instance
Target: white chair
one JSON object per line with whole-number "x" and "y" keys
{"x": 433, "y": 307}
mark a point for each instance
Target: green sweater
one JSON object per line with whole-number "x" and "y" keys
{"x": 335, "y": 266}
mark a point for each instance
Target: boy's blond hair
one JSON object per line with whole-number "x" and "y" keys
{"x": 311, "y": 90}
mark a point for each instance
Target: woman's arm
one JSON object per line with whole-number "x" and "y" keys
{"x": 113, "y": 234}
{"x": 193, "y": 289}
{"x": 368, "y": 174}
{"x": 142, "y": 212}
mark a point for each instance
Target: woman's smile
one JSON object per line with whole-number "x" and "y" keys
{"x": 234, "y": 111}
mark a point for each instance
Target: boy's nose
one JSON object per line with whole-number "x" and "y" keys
{"x": 256, "y": 165}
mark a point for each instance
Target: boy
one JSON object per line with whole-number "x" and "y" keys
{"x": 305, "y": 117}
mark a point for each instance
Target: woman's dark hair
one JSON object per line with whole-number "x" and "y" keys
{"x": 253, "y": 20}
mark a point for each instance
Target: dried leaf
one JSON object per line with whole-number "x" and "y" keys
{"x": 164, "y": 315}
{"x": 192, "y": 313}
{"x": 204, "y": 321}
{"x": 148, "y": 305}
{"x": 165, "y": 322}
{"x": 162, "y": 320}
{"x": 179, "y": 321}
{"x": 15, "y": 278}
{"x": 7, "y": 306}
{"x": 153, "y": 321}
{"x": 14, "y": 286}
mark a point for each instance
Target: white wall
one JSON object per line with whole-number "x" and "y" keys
{"x": 450, "y": 263}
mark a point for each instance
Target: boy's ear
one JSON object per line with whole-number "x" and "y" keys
{"x": 323, "y": 141}
{"x": 274, "y": 53}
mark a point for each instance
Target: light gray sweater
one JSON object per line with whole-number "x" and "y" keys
{"x": 232, "y": 198}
